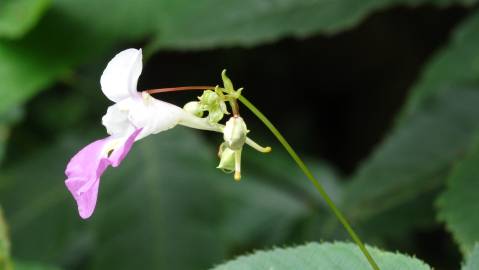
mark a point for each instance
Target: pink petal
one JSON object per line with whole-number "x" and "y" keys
{"x": 120, "y": 153}
{"x": 86, "y": 167}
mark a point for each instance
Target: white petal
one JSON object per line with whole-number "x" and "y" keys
{"x": 153, "y": 115}
{"x": 116, "y": 119}
{"x": 120, "y": 77}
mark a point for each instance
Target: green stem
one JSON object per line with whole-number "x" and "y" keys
{"x": 311, "y": 178}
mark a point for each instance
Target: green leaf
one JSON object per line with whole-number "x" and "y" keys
{"x": 337, "y": 256}
{"x": 51, "y": 51}
{"x": 17, "y": 17}
{"x": 212, "y": 23}
{"x": 459, "y": 204}
{"x": 456, "y": 64}
{"x": 415, "y": 158}
{"x": 407, "y": 218}
{"x": 472, "y": 262}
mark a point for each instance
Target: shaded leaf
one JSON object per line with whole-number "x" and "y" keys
{"x": 213, "y": 23}
{"x": 415, "y": 158}
{"x": 459, "y": 204}
{"x": 456, "y": 64}
{"x": 18, "y": 16}
{"x": 322, "y": 256}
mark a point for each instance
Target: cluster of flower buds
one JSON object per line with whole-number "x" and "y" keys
{"x": 213, "y": 101}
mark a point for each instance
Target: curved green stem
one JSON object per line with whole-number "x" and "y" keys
{"x": 313, "y": 180}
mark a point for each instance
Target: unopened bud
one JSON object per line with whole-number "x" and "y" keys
{"x": 209, "y": 98}
{"x": 235, "y": 132}
{"x": 194, "y": 108}
{"x": 227, "y": 160}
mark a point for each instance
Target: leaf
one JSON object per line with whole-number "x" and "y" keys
{"x": 213, "y": 23}
{"x": 35, "y": 62}
{"x": 456, "y": 64}
{"x": 17, "y": 17}
{"x": 472, "y": 262}
{"x": 322, "y": 256}
{"x": 414, "y": 215}
{"x": 50, "y": 51}
{"x": 415, "y": 158}
{"x": 459, "y": 204}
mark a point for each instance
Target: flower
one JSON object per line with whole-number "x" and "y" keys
{"x": 134, "y": 116}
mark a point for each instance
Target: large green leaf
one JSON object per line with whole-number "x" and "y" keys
{"x": 472, "y": 262}
{"x": 71, "y": 33}
{"x": 414, "y": 159}
{"x": 459, "y": 204}
{"x": 339, "y": 256}
{"x": 212, "y": 23}
{"x": 456, "y": 64}
{"x": 19, "y": 16}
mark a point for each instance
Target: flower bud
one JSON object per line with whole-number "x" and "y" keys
{"x": 194, "y": 108}
{"x": 209, "y": 98}
{"x": 227, "y": 160}
{"x": 235, "y": 132}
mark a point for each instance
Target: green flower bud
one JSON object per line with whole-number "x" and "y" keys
{"x": 194, "y": 108}
{"x": 227, "y": 160}
{"x": 209, "y": 98}
{"x": 214, "y": 103}
{"x": 235, "y": 132}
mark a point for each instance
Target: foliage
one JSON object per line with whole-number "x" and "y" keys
{"x": 18, "y": 16}
{"x": 322, "y": 256}
{"x": 460, "y": 200}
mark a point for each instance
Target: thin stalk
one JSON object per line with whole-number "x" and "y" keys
{"x": 312, "y": 179}
{"x": 180, "y": 88}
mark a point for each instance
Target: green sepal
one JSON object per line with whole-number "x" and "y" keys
{"x": 227, "y": 84}
{"x": 215, "y": 116}
{"x": 227, "y": 159}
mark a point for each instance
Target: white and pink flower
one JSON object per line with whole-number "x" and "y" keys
{"x": 134, "y": 116}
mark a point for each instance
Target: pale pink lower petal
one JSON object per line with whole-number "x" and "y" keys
{"x": 86, "y": 167}
{"x": 119, "y": 154}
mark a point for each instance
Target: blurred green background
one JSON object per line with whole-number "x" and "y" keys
{"x": 380, "y": 96}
